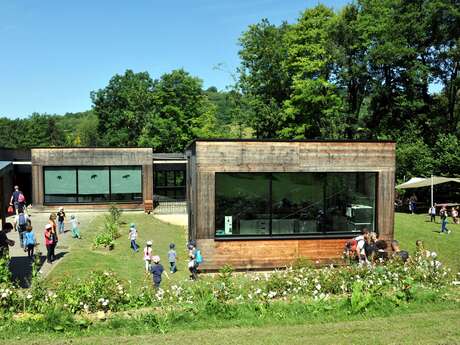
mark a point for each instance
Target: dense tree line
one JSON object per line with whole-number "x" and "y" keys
{"x": 364, "y": 72}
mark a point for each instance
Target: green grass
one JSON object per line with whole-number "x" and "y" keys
{"x": 420, "y": 322}
{"x": 83, "y": 259}
{"x": 409, "y": 228}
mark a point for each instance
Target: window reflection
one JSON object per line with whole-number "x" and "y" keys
{"x": 276, "y": 204}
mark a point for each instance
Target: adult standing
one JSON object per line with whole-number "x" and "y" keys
{"x": 443, "y": 215}
{"x": 60, "y": 220}
{"x": 51, "y": 240}
{"x": 5, "y": 242}
{"x": 20, "y": 223}
{"x": 17, "y": 200}
{"x": 432, "y": 213}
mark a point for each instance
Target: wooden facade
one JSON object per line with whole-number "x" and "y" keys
{"x": 43, "y": 157}
{"x": 207, "y": 157}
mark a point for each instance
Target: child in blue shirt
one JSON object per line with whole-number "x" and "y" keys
{"x": 133, "y": 236}
{"x": 157, "y": 270}
{"x": 29, "y": 242}
{"x": 75, "y": 223}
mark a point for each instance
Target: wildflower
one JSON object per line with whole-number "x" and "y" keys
{"x": 318, "y": 286}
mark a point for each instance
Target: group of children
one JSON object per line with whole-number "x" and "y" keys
{"x": 366, "y": 248}
{"x": 22, "y": 223}
{"x": 152, "y": 262}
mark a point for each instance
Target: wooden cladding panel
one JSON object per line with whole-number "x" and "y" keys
{"x": 385, "y": 204}
{"x": 205, "y": 205}
{"x": 251, "y": 155}
{"x": 267, "y": 253}
{"x": 91, "y": 156}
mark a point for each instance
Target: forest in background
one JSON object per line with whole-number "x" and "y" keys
{"x": 375, "y": 69}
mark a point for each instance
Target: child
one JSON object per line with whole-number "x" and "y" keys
{"x": 157, "y": 269}
{"x": 133, "y": 236}
{"x": 29, "y": 242}
{"x": 60, "y": 219}
{"x": 193, "y": 263}
{"x": 75, "y": 223}
{"x": 172, "y": 258}
{"x": 148, "y": 255}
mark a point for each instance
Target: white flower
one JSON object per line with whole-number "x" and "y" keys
{"x": 318, "y": 286}
{"x": 434, "y": 255}
{"x": 29, "y": 296}
{"x": 105, "y": 303}
{"x": 4, "y": 295}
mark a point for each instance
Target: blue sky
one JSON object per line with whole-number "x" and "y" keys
{"x": 55, "y": 52}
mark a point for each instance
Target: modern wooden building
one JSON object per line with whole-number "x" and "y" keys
{"x": 263, "y": 203}
{"x": 97, "y": 176}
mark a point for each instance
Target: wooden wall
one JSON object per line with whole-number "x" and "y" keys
{"x": 91, "y": 157}
{"x": 208, "y": 157}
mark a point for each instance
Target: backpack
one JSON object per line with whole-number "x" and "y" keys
{"x": 21, "y": 198}
{"x": 22, "y": 221}
{"x": 198, "y": 257}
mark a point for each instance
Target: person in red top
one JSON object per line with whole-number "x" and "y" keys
{"x": 50, "y": 242}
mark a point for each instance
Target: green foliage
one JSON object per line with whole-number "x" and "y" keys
{"x": 359, "y": 298}
{"x": 111, "y": 231}
{"x": 115, "y": 214}
{"x": 180, "y": 112}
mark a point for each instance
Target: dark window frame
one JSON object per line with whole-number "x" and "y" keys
{"x": 315, "y": 235}
{"x": 77, "y": 195}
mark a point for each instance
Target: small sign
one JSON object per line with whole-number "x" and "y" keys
{"x": 228, "y": 225}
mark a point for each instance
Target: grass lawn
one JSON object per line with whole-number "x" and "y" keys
{"x": 409, "y": 228}
{"x": 421, "y": 323}
{"x": 82, "y": 259}
{"x": 432, "y": 327}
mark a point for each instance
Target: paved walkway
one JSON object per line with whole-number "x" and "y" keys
{"x": 180, "y": 219}
{"x": 21, "y": 266}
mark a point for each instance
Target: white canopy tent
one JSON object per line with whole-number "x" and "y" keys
{"x": 418, "y": 182}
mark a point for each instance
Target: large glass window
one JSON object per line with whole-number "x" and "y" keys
{"x": 242, "y": 203}
{"x": 126, "y": 183}
{"x": 60, "y": 184}
{"x": 92, "y": 184}
{"x": 169, "y": 185}
{"x": 283, "y": 204}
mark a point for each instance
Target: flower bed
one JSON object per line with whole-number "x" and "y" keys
{"x": 104, "y": 291}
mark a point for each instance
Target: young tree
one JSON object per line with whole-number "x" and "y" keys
{"x": 315, "y": 106}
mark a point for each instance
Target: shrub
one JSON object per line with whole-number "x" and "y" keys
{"x": 115, "y": 214}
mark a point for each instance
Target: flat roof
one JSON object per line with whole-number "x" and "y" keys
{"x": 291, "y": 141}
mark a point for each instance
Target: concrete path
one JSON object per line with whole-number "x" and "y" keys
{"x": 21, "y": 266}
{"x": 180, "y": 219}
